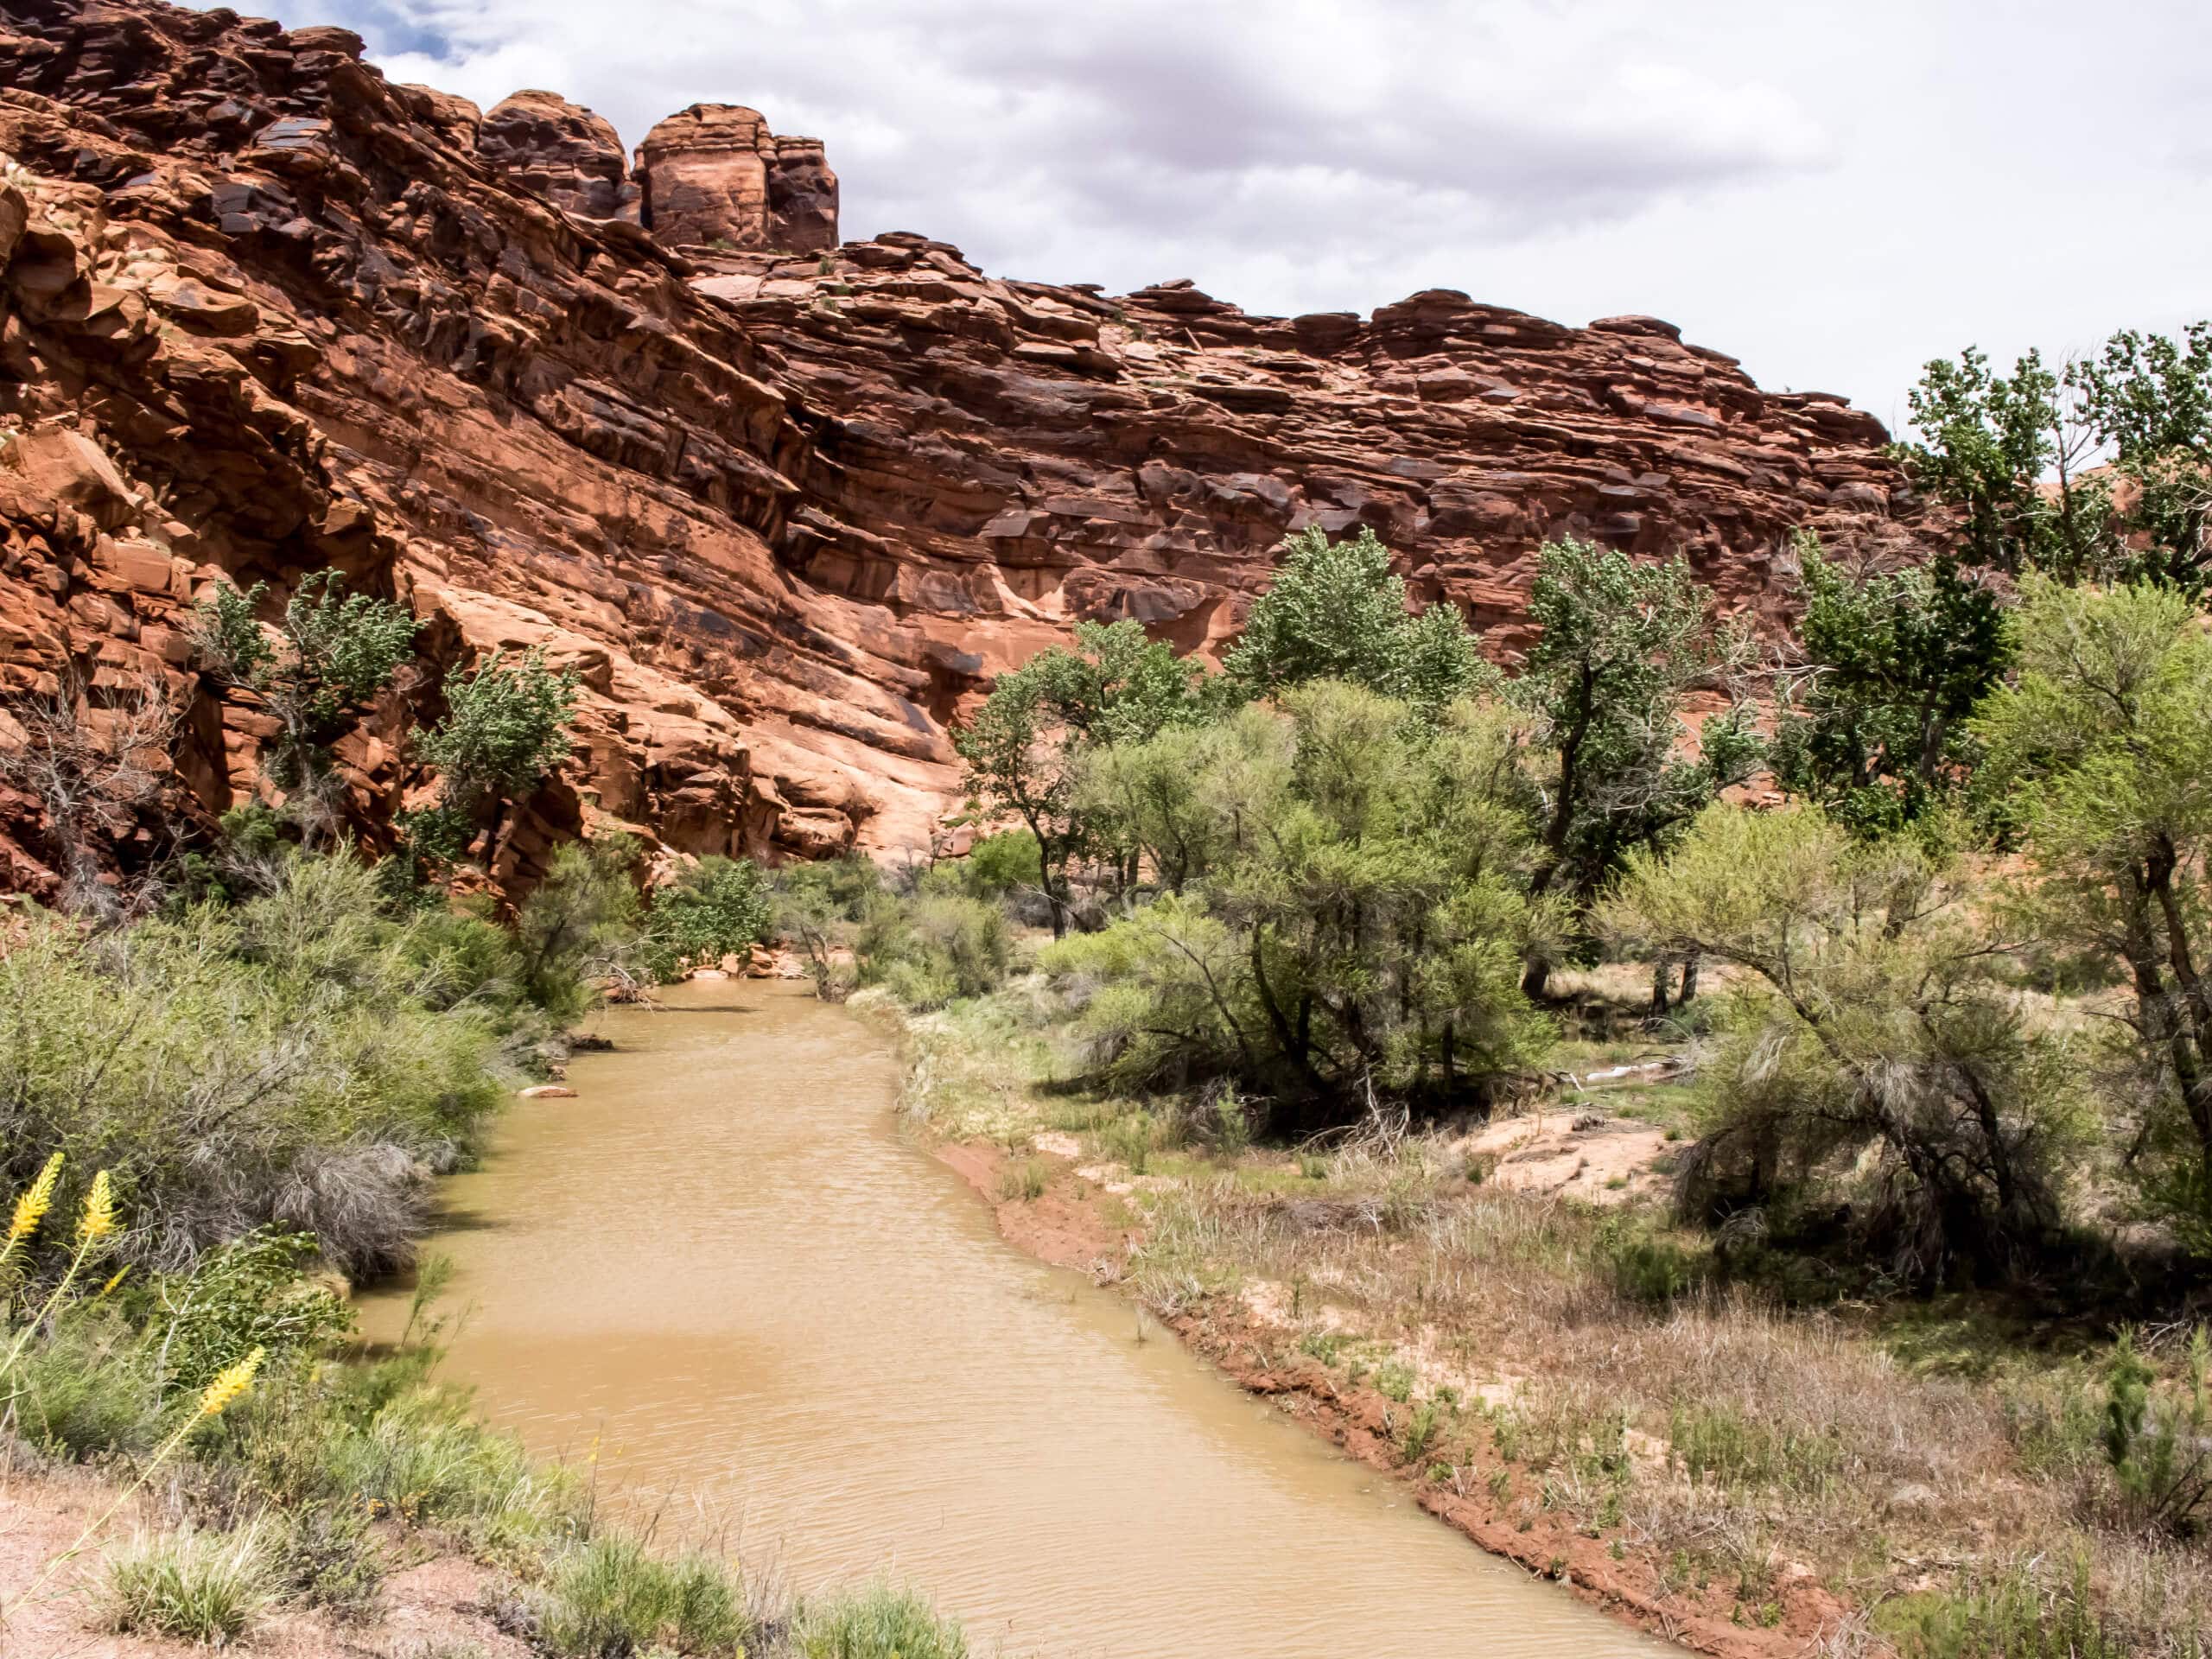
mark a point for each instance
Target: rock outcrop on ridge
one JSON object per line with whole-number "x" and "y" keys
{"x": 785, "y": 505}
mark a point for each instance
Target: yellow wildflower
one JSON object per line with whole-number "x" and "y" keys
{"x": 37, "y": 1199}
{"x": 99, "y": 1220}
{"x": 229, "y": 1385}
{"x": 119, "y": 1275}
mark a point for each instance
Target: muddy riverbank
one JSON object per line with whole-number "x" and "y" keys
{"x": 723, "y": 1273}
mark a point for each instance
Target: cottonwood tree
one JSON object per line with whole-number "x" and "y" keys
{"x": 1874, "y": 1020}
{"x": 2149, "y": 398}
{"x": 332, "y": 653}
{"x": 1623, "y": 642}
{"x": 1023, "y": 747}
{"x": 1333, "y": 611}
{"x": 2101, "y": 471}
{"x": 2105, "y": 745}
{"x": 1986, "y": 443}
{"x": 1872, "y": 703}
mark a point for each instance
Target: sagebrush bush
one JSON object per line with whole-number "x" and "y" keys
{"x": 276, "y": 1062}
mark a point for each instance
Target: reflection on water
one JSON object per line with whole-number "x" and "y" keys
{"x": 722, "y": 1266}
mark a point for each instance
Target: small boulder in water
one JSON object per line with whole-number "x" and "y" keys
{"x": 549, "y": 1092}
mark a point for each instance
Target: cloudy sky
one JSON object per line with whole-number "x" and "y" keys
{"x": 1832, "y": 191}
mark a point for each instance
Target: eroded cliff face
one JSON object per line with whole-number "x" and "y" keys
{"x": 785, "y": 505}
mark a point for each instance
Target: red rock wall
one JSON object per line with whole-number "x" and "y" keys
{"x": 265, "y": 311}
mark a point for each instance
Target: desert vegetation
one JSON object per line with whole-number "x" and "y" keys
{"x": 230, "y": 1083}
{"x": 1857, "y": 1020}
{"x": 1733, "y": 1110}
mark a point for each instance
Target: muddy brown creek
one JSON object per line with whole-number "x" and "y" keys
{"x": 777, "y": 1321}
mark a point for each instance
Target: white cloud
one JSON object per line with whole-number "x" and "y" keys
{"x": 1832, "y": 191}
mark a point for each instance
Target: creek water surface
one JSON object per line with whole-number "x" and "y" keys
{"x": 722, "y": 1270}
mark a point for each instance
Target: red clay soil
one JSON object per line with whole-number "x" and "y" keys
{"x": 1068, "y": 1226}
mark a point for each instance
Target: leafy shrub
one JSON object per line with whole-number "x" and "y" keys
{"x": 1356, "y": 927}
{"x": 1869, "y": 1022}
{"x": 998, "y": 865}
{"x": 252, "y": 1293}
{"x": 235, "y": 1067}
{"x": 716, "y": 909}
{"x": 2156, "y": 1444}
{"x": 337, "y": 651}
{"x": 928, "y": 950}
{"x": 505, "y": 726}
{"x": 1651, "y": 1270}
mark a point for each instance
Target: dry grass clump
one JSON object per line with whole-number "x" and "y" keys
{"x": 206, "y": 1587}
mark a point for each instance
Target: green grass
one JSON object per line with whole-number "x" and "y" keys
{"x": 1327, "y": 1346}
{"x": 1714, "y": 1441}
{"x": 609, "y": 1598}
{"x": 1420, "y": 1431}
{"x": 1024, "y": 1180}
{"x": 878, "y": 1621}
{"x": 2009, "y": 1616}
{"x": 206, "y": 1587}
{"x": 1129, "y": 1141}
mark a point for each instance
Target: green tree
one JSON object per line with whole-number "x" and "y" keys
{"x": 507, "y": 726}
{"x": 2104, "y": 745}
{"x": 1987, "y": 443}
{"x": 1622, "y": 643}
{"x": 580, "y": 927}
{"x": 1871, "y": 720}
{"x": 1334, "y": 611}
{"x": 1358, "y": 926}
{"x": 718, "y": 907}
{"x": 818, "y": 906}
{"x": 334, "y": 653}
{"x": 2149, "y": 398}
{"x": 1023, "y": 747}
{"x": 1872, "y": 1020}
{"x": 2102, "y": 473}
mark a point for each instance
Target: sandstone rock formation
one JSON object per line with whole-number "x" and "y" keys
{"x": 562, "y": 153}
{"x": 263, "y": 311}
{"x": 715, "y": 177}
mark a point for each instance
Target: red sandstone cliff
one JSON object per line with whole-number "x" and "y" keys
{"x": 784, "y": 504}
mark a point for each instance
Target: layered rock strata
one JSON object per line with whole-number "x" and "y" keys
{"x": 786, "y": 512}
{"x": 714, "y": 176}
